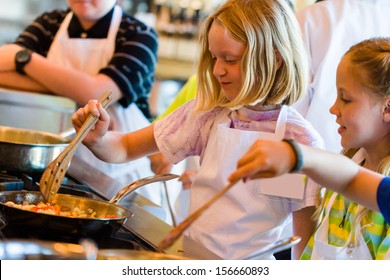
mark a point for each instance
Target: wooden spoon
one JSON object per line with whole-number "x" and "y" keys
{"x": 54, "y": 173}
{"x": 176, "y": 232}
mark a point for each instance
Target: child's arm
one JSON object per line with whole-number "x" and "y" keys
{"x": 111, "y": 146}
{"x": 342, "y": 175}
{"x": 268, "y": 158}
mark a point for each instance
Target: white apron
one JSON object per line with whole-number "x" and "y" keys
{"x": 89, "y": 56}
{"x": 322, "y": 250}
{"x": 244, "y": 219}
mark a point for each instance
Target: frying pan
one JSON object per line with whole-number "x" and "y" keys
{"x": 29, "y": 151}
{"x": 109, "y": 216}
{"x": 42, "y": 224}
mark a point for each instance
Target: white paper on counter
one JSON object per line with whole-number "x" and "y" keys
{"x": 288, "y": 185}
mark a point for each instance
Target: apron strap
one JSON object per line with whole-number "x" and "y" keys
{"x": 281, "y": 123}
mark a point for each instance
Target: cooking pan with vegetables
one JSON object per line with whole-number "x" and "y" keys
{"x": 88, "y": 217}
{"x": 69, "y": 215}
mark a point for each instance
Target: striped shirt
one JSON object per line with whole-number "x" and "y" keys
{"x": 375, "y": 230}
{"x": 132, "y": 67}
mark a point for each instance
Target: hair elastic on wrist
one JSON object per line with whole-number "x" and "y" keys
{"x": 298, "y": 155}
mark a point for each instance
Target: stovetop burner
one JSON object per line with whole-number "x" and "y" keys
{"x": 17, "y": 181}
{"x": 14, "y": 182}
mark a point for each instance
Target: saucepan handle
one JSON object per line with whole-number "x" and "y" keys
{"x": 272, "y": 248}
{"x": 139, "y": 183}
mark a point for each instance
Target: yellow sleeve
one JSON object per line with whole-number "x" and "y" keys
{"x": 187, "y": 92}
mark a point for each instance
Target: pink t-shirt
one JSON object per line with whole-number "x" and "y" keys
{"x": 184, "y": 132}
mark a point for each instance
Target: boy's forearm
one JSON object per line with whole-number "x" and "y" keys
{"x": 14, "y": 80}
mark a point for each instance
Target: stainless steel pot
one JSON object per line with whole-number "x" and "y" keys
{"x": 124, "y": 254}
{"x": 20, "y": 249}
{"x": 29, "y": 150}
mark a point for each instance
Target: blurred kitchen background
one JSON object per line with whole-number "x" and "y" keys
{"x": 176, "y": 21}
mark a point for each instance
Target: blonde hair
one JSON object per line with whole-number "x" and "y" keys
{"x": 269, "y": 31}
{"x": 372, "y": 57}
{"x": 370, "y": 60}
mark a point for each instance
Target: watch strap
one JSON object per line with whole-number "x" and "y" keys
{"x": 22, "y": 58}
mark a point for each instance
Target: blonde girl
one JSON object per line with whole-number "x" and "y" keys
{"x": 362, "y": 110}
{"x": 252, "y": 65}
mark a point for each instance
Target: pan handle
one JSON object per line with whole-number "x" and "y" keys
{"x": 139, "y": 183}
{"x": 68, "y": 134}
{"x": 272, "y": 248}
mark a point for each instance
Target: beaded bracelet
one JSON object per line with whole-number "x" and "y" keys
{"x": 298, "y": 155}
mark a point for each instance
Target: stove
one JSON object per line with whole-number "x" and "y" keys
{"x": 18, "y": 181}
{"x": 14, "y": 181}
{"x": 142, "y": 231}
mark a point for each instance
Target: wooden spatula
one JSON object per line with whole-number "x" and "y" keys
{"x": 52, "y": 177}
{"x": 176, "y": 232}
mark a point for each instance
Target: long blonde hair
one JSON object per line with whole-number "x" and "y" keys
{"x": 268, "y": 29}
{"x": 371, "y": 57}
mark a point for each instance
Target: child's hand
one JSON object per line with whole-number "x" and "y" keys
{"x": 187, "y": 178}
{"x": 159, "y": 164}
{"x": 101, "y": 126}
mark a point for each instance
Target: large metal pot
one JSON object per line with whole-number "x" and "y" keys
{"x": 29, "y": 151}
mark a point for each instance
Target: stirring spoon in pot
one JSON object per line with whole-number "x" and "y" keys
{"x": 51, "y": 178}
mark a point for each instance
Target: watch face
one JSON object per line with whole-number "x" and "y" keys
{"x": 23, "y": 56}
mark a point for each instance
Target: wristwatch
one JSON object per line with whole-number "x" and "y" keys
{"x": 22, "y": 57}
